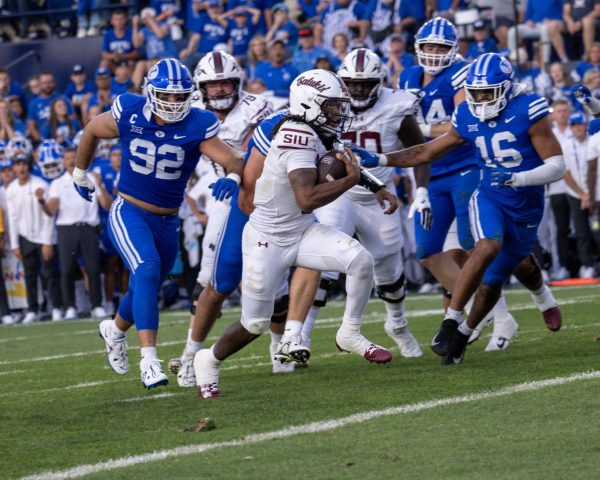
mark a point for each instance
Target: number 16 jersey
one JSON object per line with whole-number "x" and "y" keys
{"x": 158, "y": 159}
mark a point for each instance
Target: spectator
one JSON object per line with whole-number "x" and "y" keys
{"x": 8, "y": 124}
{"x": 580, "y": 19}
{"x": 560, "y": 86}
{"x": 445, "y": 8}
{"x": 533, "y": 77}
{"x": 557, "y": 191}
{"x": 283, "y": 28}
{"x": 482, "y": 42}
{"x": 341, "y": 46}
{"x": 85, "y": 26}
{"x": 34, "y": 87}
{"x": 341, "y": 16}
{"x": 10, "y": 87}
{"x": 241, "y": 23}
{"x": 575, "y": 153}
{"x": 60, "y": 126}
{"x": 591, "y": 79}
{"x": 382, "y": 20}
{"x": 504, "y": 17}
{"x": 154, "y": 39}
{"x": 396, "y": 59}
{"x": 121, "y": 82}
{"x": 410, "y": 16}
{"x": 323, "y": 63}
{"x": 6, "y": 177}
{"x": 257, "y": 53}
{"x": 264, "y": 6}
{"x": 307, "y": 52}
{"x": 277, "y": 74}
{"x": 39, "y": 108}
{"x": 16, "y": 107}
{"x": 592, "y": 62}
{"x": 117, "y": 45}
{"x": 210, "y": 34}
{"x": 102, "y": 97}
{"x": 543, "y": 22}
{"x": 308, "y": 12}
{"x": 79, "y": 90}
{"x": 31, "y": 236}
{"x": 77, "y": 228}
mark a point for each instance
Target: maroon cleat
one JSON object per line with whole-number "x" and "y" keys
{"x": 377, "y": 354}
{"x": 208, "y": 391}
{"x": 553, "y": 318}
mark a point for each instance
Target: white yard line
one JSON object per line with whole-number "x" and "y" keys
{"x": 151, "y": 397}
{"x": 12, "y": 372}
{"x": 315, "y": 427}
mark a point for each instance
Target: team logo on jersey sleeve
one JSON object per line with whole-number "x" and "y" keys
{"x": 473, "y": 128}
{"x": 160, "y": 134}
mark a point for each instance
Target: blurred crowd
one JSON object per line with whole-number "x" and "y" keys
{"x": 54, "y": 235}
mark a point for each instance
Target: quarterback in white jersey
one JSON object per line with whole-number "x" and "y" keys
{"x": 282, "y": 231}
{"x": 382, "y": 119}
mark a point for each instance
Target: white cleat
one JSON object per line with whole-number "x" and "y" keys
{"x": 8, "y": 320}
{"x": 71, "y": 314}
{"x": 186, "y": 377}
{"x": 57, "y": 315}
{"x": 479, "y": 328}
{"x": 207, "y": 374}
{"x": 152, "y": 373}
{"x": 99, "y": 313}
{"x": 30, "y": 317}
{"x": 280, "y": 366}
{"x": 116, "y": 349}
{"x": 290, "y": 349}
{"x": 355, "y": 342}
{"x": 407, "y": 343}
{"x": 504, "y": 332}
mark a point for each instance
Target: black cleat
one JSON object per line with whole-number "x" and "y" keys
{"x": 440, "y": 344}
{"x": 456, "y": 353}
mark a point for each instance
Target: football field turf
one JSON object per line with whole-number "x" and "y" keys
{"x": 530, "y": 412}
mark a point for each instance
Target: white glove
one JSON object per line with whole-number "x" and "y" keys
{"x": 422, "y": 205}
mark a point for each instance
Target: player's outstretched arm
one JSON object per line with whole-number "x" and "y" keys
{"x": 410, "y": 135}
{"x": 252, "y": 171}
{"x": 310, "y": 195}
{"x": 102, "y": 126}
{"x": 221, "y": 153}
{"x": 425, "y": 153}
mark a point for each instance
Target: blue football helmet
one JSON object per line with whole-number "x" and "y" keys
{"x": 50, "y": 159}
{"x": 488, "y": 85}
{"x": 438, "y": 31}
{"x": 167, "y": 77}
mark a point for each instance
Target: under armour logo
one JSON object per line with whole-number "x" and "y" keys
{"x": 266, "y": 244}
{"x": 212, "y": 247}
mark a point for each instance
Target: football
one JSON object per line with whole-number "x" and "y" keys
{"x": 330, "y": 168}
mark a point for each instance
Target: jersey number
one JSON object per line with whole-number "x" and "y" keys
{"x": 364, "y": 138}
{"x": 506, "y": 157}
{"x": 147, "y": 152}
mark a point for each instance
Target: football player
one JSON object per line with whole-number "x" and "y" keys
{"x": 513, "y": 138}
{"x": 282, "y": 231}
{"x": 162, "y": 138}
{"x": 382, "y": 121}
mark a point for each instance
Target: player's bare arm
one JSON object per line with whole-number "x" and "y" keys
{"x": 102, "y": 126}
{"x": 218, "y": 151}
{"x": 310, "y": 196}
{"x": 544, "y": 140}
{"x": 252, "y": 171}
{"x": 410, "y": 135}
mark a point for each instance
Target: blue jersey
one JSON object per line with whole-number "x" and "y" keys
{"x": 262, "y": 138}
{"x": 437, "y": 106}
{"x": 158, "y": 159}
{"x": 505, "y": 142}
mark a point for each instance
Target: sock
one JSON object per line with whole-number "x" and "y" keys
{"x": 293, "y": 328}
{"x": 191, "y": 347}
{"x": 214, "y": 360}
{"x": 454, "y": 315}
{"x": 395, "y": 314}
{"x": 309, "y": 324}
{"x": 543, "y": 298}
{"x": 500, "y": 310}
{"x": 464, "y": 328}
{"x": 148, "y": 353}
{"x": 275, "y": 339}
{"x": 116, "y": 331}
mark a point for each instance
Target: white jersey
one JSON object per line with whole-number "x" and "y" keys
{"x": 376, "y": 129}
{"x": 247, "y": 113}
{"x": 276, "y": 214}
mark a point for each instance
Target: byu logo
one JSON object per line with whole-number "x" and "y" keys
{"x": 160, "y": 134}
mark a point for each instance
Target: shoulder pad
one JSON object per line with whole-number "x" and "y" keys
{"x": 296, "y": 136}
{"x": 402, "y": 102}
{"x": 459, "y": 76}
{"x": 258, "y": 107}
{"x": 124, "y": 102}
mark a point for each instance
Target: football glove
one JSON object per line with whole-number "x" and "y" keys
{"x": 366, "y": 158}
{"x": 83, "y": 184}
{"x": 422, "y": 205}
{"x": 581, "y": 93}
{"x": 225, "y": 187}
{"x": 594, "y": 126}
{"x": 501, "y": 178}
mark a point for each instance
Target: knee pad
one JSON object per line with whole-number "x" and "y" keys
{"x": 256, "y": 325}
{"x": 195, "y": 295}
{"x": 322, "y": 292}
{"x": 362, "y": 265}
{"x": 392, "y": 293}
{"x": 280, "y": 309}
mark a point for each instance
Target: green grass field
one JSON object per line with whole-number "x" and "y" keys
{"x": 531, "y": 412}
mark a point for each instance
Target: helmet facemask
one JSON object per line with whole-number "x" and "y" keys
{"x": 363, "y": 93}
{"x": 334, "y": 117}
{"x": 434, "y": 63}
{"x": 223, "y": 101}
{"x": 487, "y": 101}
{"x": 167, "y": 110}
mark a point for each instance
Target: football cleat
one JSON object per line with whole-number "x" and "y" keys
{"x": 186, "y": 377}
{"x": 504, "y": 332}
{"x": 116, "y": 349}
{"x": 152, "y": 373}
{"x": 440, "y": 344}
{"x": 357, "y": 343}
{"x": 30, "y": 317}
{"x": 291, "y": 350}
{"x": 553, "y": 318}
{"x": 456, "y": 350}
{"x": 480, "y": 328}
{"x": 407, "y": 343}
{"x": 209, "y": 390}
{"x": 174, "y": 365}
{"x": 278, "y": 365}
{"x": 207, "y": 374}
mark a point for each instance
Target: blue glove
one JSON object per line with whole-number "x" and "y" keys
{"x": 366, "y": 158}
{"x": 82, "y": 184}
{"x": 500, "y": 178}
{"x": 581, "y": 93}
{"x": 223, "y": 188}
{"x": 594, "y": 126}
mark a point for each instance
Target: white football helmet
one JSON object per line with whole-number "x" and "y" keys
{"x": 17, "y": 144}
{"x": 437, "y": 31}
{"x": 214, "y": 67}
{"x": 50, "y": 159}
{"x": 362, "y": 72}
{"x": 320, "y": 98}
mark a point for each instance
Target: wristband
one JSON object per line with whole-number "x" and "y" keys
{"x": 383, "y": 160}
{"x": 425, "y": 129}
{"x": 370, "y": 182}
{"x": 235, "y": 177}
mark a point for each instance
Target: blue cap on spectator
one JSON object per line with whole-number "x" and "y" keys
{"x": 77, "y": 69}
{"x": 6, "y": 163}
{"x": 480, "y": 25}
{"x": 280, "y": 6}
{"x": 101, "y": 72}
{"x": 578, "y": 118}
{"x": 214, "y": 3}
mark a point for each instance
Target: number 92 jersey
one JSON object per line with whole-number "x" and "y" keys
{"x": 158, "y": 159}
{"x": 504, "y": 142}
